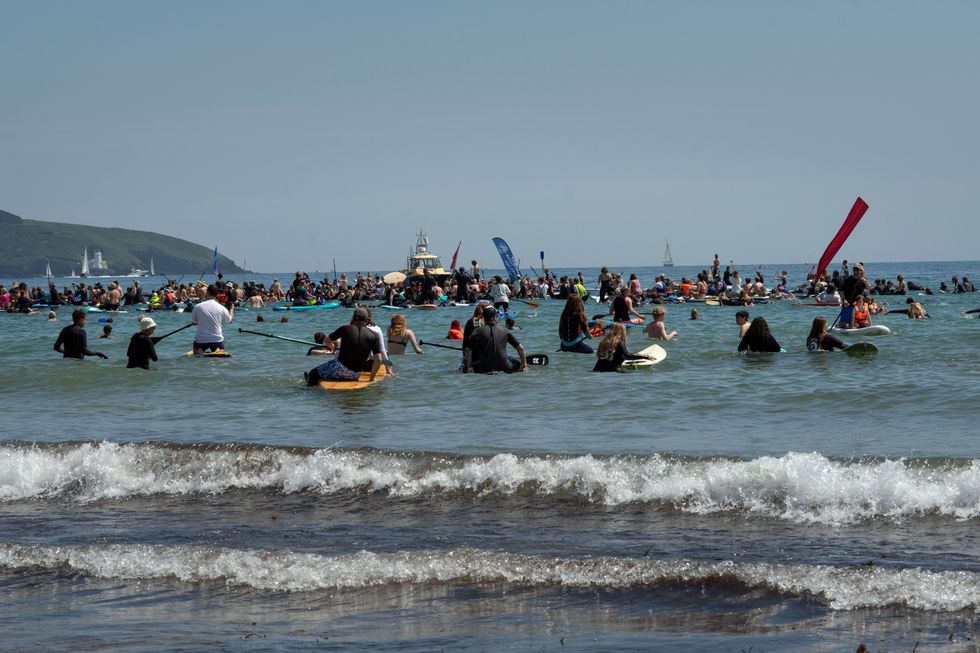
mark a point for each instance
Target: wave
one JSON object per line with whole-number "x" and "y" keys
{"x": 798, "y": 487}
{"x": 840, "y": 588}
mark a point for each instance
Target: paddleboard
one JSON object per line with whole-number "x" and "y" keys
{"x": 306, "y": 307}
{"x": 426, "y": 307}
{"x": 873, "y": 330}
{"x": 862, "y": 350}
{"x": 391, "y": 308}
{"x": 90, "y": 309}
{"x": 817, "y": 304}
{"x": 209, "y": 354}
{"x": 656, "y": 354}
{"x": 363, "y": 382}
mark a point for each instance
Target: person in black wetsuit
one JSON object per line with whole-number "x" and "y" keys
{"x": 359, "y": 342}
{"x": 573, "y": 327}
{"x": 141, "y": 350}
{"x": 758, "y": 339}
{"x": 820, "y": 340}
{"x": 612, "y": 352}
{"x": 72, "y": 341}
{"x": 854, "y": 286}
{"x": 491, "y": 341}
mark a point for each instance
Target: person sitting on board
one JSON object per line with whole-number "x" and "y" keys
{"x": 657, "y": 329}
{"x": 369, "y": 364}
{"x": 860, "y": 315}
{"x": 209, "y": 315}
{"x": 491, "y": 341}
{"x": 915, "y": 310}
{"x": 829, "y": 295}
{"x": 612, "y": 352}
{"x": 820, "y": 340}
{"x": 742, "y": 320}
{"x": 455, "y": 331}
{"x": 359, "y": 343}
{"x": 573, "y": 326}
{"x": 622, "y": 308}
{"x": 323, "y": 345}
{"x": 72, "y": 341}
{"x": 399, "y": 336}
{"x": 758, "y": 339}
{"x": 141, "y": 350}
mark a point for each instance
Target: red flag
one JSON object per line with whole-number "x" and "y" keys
{"x": 857, "y": 212}
{"x": 452, "y": 266}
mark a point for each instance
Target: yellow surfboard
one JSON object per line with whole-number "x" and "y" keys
{"x": 362, "y": 382}
{"x": 209, "y": 354}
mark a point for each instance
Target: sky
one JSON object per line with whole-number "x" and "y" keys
{"x": 292, "y": 134}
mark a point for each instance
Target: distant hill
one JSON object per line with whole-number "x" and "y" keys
{"x": 25, "y": 246}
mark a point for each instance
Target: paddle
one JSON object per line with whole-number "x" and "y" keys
{"x": 526, "y": 301}
{"x": 533, "y": 359}
{"x": 272, "y": 335}
{"x": 975, "y": 310}
{"x": 156, "y": 339}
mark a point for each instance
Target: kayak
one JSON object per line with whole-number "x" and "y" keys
{"x": 307, "y": 307}
{"x": 363, "y": 382}
{"x": 656, "y": 354}
{"x": 873, "y": 330}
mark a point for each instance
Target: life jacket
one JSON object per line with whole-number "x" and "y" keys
{"x": 455, "y": 333}
{"x": 861, "y": 318}
{"x": 596, "y": 331}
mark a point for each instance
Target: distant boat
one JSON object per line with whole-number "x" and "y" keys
{"x": 47, "y": 269}
{"x": 85, "y": 271}
{"x": 668, "y": 259}
{"x": 73, "y": 275}
{"x": 152, "y": 272}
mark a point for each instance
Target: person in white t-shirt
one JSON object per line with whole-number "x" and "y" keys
{"x": 209, "y": 315}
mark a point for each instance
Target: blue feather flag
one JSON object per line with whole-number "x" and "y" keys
{"x": 507, "y": 257}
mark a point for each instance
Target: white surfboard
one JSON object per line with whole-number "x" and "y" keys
{"x": 873, "y": 330}
{"x": 656, "y": 354}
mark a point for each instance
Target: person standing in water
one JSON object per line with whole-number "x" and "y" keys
{"x": 757, "y": 338}
{"x": 72, "y": 342}
{"x": 209, "y": 315}
{"x": 657, "y": 329}
{"x": 612, "y": 352}
{"x": 141, "y": 350}
{"x": 490, "y": 342}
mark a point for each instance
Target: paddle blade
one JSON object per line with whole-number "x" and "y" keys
{"x": 857, "y": 212}
{"x": 862, "y": 350}
{"x": 537, "y": 359}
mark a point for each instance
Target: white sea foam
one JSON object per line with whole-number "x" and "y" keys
{"x": 798, "y": 487}
{"x": 840, "y": 588}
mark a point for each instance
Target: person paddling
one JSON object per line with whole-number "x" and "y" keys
{"x": 141, "y": 350}
{"x": 72, "y": 342}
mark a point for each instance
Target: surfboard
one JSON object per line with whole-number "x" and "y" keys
{"x": 656, "y": 354}
{"x": 391, "y": 307}
{"x": 862, "y": 350}
{"x": 209, "y": 354}
{"x": 873, "y": 330}
{"x": 426, "y": 307}
{"x": 363, "y": 382}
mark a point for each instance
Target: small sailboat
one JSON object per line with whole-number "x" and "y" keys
{"x": 152, "y": 272}
{"x": 47, "y": 269}
{"x": 668, "y": 259}
{"x": 73, "y": 275}
{"x": 85, "y": 271}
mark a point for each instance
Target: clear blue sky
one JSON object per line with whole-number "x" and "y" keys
{"x": 292, "y": 133}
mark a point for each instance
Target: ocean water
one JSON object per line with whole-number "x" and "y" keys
{"x": 716, "y": 502}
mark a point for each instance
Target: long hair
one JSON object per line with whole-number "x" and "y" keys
{"x": 574, "y": 310}
{"x": 615, "y": 334}
{"x": 758, "y": 330}
{"x": 818, "y": 329}
{"x": 398, "y": 325}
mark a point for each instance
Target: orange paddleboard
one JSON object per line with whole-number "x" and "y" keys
{"x": 362, "y": 382}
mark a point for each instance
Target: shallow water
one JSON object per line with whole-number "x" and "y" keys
{"x": 715, "y": 502}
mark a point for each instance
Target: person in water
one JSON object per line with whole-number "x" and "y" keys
{"x": 360, "y": 342}
{"x": 455, "y": 330}
{"x": 622, "y": 308}
{"x": 742, "y": 320}
{"x": 657, "y": 329}
{"x": 400, "y": 336}
{"x": 758, "y": 339}
{"x": 820, "y": 340}
{"x": 141, "y": 350}
{"x": 491, "y": 341}
{"x": 323, "y": 345}
{"x": 209, "y": 315}
{"x": 72, "y": 341}
{"x": 612, "y": 352}
{"x": 573, "y": 326}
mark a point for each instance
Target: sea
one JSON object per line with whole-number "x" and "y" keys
{"x": 714, "y": 502}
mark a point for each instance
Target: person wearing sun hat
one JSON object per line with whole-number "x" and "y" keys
{"x": 141, "y": 350}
